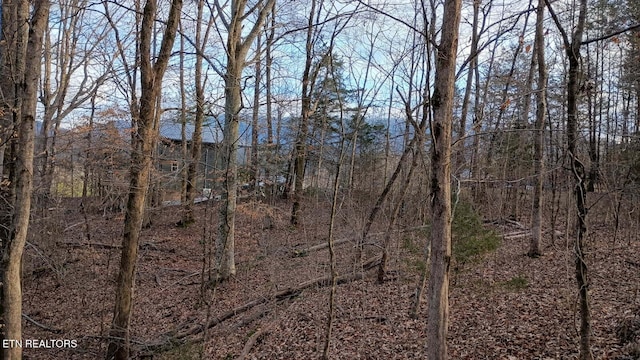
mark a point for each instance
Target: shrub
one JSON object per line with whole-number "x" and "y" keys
{"x": 470, "y": 239}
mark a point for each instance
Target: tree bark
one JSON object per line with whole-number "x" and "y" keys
{"x": 183, "y": 122}
{"x": 541, "y": 113}
{"x": 255, "y": 166}
{"x": 578, "y": 171}
{"x": 460, "y": 155}
{"x": 144, "y": 141}
{"x": 442, "y": 104}
{"x": 301, "y": 139}
{"x": 269, "y": 111}
{"x": 237, "y": 49}
{"x": 26, "y": 76}
{"x": 196, "y": 137}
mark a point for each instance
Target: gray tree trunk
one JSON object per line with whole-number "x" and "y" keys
{"x": 572, "y": 47}
{"x": 237, "y": 49}
{"x": 303, "y": 129}
{"x": 442, "y": 105}
{"x": 196, "y": 137}
{"x": 541, "y": 113}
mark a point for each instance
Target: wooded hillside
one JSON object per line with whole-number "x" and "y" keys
{"x": 322, "y": 178}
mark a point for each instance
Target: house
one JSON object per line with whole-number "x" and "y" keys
{"x": 169, "y": 157}
{"x": 170, "y": 163}
{"x": 108, "y": 158}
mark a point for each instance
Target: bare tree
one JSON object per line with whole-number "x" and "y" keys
{"x": 67, "y": 58}
{"x": 268, "y": 86}
{"x": 541, "y": 113}
{"x": 255, "y": 114}
{"x": 144, "y": 141}
{"x": 442, "y": 105}
{"x": 572, "y": 47}
{"x": 23, "y": 59}
{"x": 313, "y": 64}
{"x": 331, "y": 240}
{"x": 196, "y": 137}
{"x": 236, "y": 50}
{"x": 183, "y": 119}
{"x": 308, "y": 80}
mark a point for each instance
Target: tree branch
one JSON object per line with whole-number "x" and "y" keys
{"x": 605, "y": 37}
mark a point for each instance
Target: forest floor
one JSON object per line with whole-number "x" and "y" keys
{"x": 503, "y": 305}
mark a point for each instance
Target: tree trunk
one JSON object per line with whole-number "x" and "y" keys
{"x": 541, "y": 113}
{"x": 225, "y": 252}
{"x": 460, "y": 154}
{"x": 382, "y": 269}
{"x": 331, "y": 243}
{"x": 269, "y": 115}
{"x": 237, "y": 49}
{"x": 578, "y": 171}
{"x": 196, "y": 137}
{"x": 300, "y": 155}
{"x": 143, "y": 144}
{"x": 442, "y": 104}
{"x": 27, "y": 76}
{"x": 255, "y": 166}
{"x": 183, "y": 128}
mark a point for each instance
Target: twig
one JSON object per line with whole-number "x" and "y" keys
{"x": 107, "y": 337}
{"x": 72, "y": 226}
{"x": 40, "y": 325}
{"x": 303, "y": 252}
{"x": 88, "y": 244}
{"x": 180, "y": 280}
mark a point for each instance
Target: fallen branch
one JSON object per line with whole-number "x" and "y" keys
{"x": 252, "y": 341}
{"x": 262, "y": 312}
{"x": 180, "y": 280}
{"x": 40, "y": 325}
{"x": 516, "y": 235}
{"x": 522, "y": 234}
{"x": 74, "y": 244}
{"x": 324, "y": 245}
{"x": 632, "y": 263}
{"x": 506, "y": 222}
{"x": 72, "y": 226}
{"x": 324, "y": 281}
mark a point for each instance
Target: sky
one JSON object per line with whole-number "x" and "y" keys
{"x": 382, "y": 36}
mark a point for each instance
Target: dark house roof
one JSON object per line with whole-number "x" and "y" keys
{"x": 211, "y": 132}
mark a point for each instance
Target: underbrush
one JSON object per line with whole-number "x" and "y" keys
{"x": 470, "y": 240}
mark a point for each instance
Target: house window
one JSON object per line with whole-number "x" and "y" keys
{"x": 174, "y": 166}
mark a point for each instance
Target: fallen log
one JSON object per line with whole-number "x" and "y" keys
{"x": 526, "y": 233}
{"x": 181, "y": 333}
{"x": 325, "y": 245}
{"x": 97, "y": 245}
{"x": 507, "y": 222}
{"x": 252, "y": 341}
